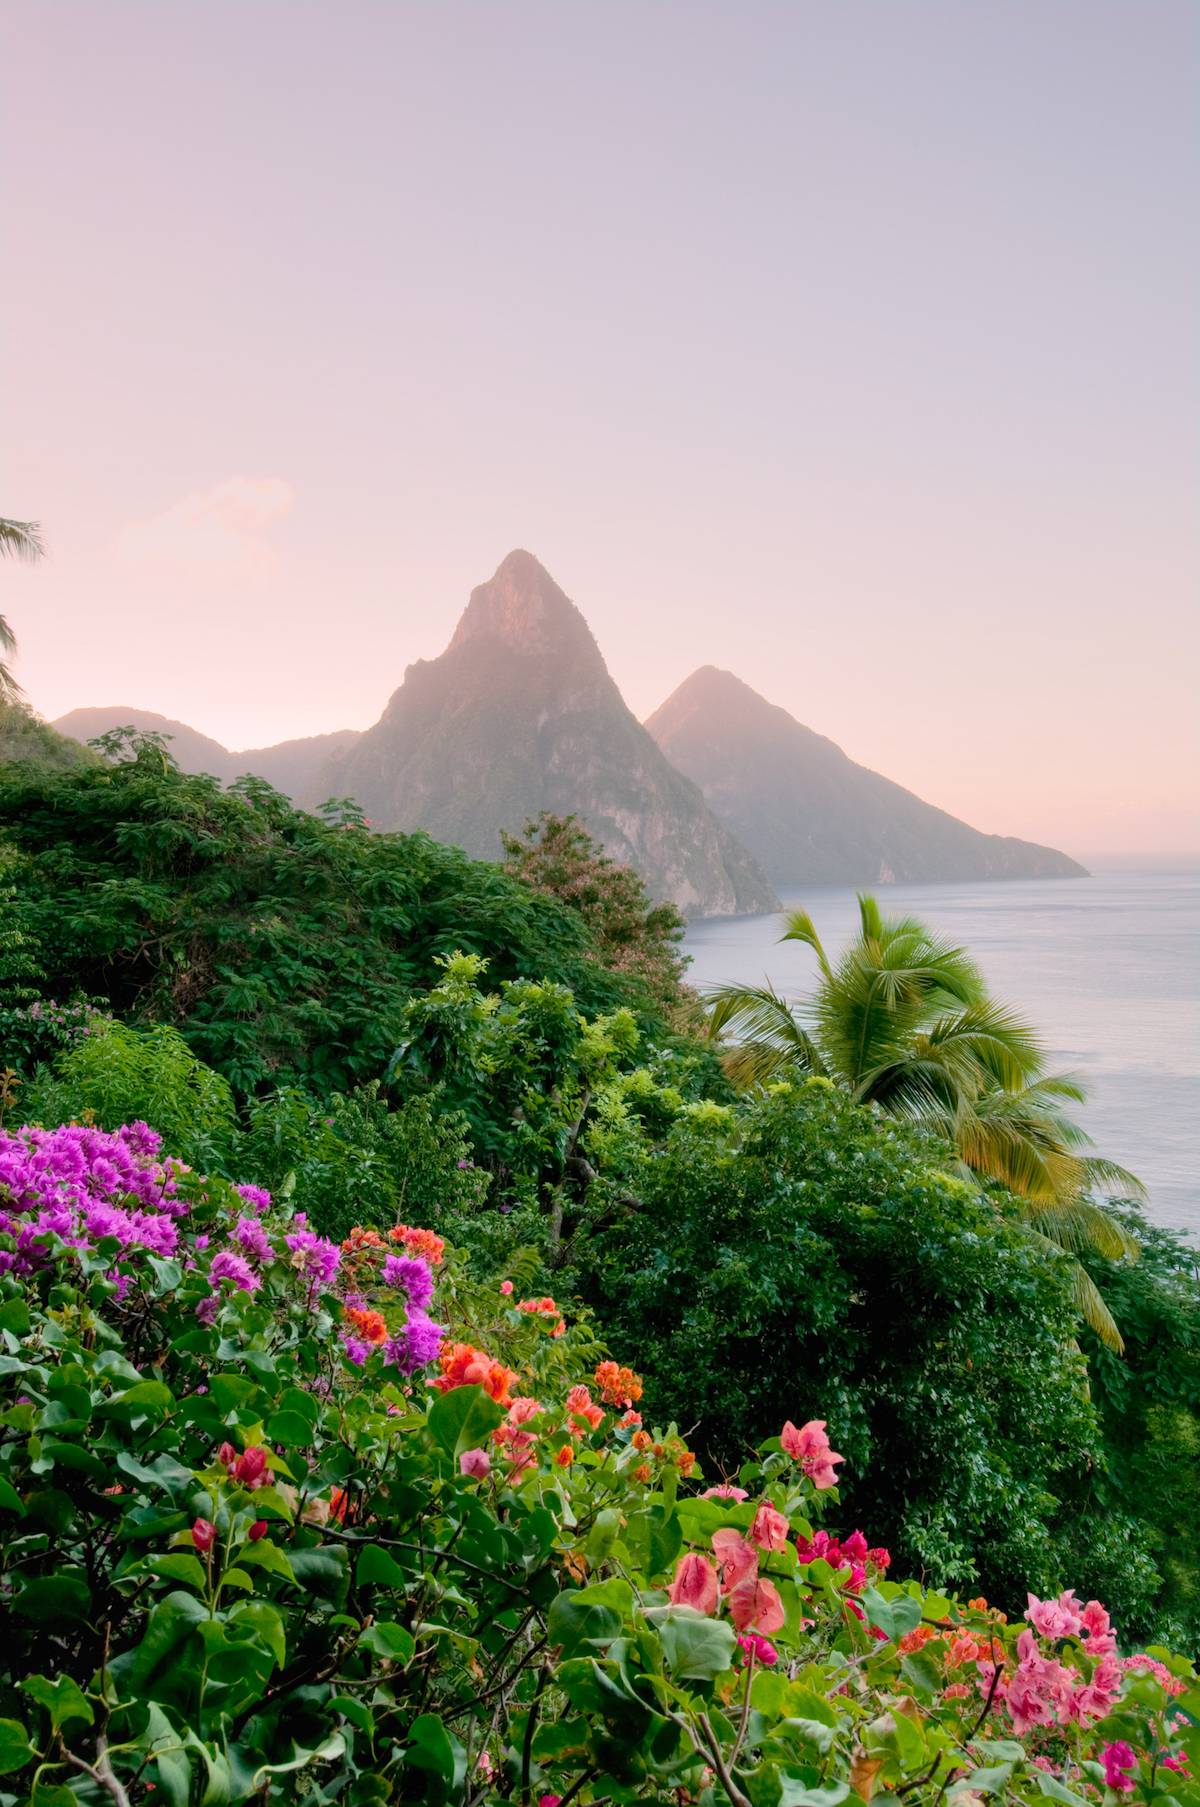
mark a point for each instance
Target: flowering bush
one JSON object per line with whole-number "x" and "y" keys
{"x": 286, "y": 1516}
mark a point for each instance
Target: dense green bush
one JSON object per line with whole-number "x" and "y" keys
{"x": 357, "y": 1160}
{"x": 282, "y": 945}
{"x": 806, "y": 1242}
{"x": 113, "y": 1075}
{"x": 1149, "y": 1405}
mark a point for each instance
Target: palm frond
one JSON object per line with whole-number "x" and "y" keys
{"x": 1079, "y": 1224}
{"x": 1089, "y": 1303}
{"x": 800, "y": 927}
{"x": 766, "y": 1040}
{"x": 21, "y": 539}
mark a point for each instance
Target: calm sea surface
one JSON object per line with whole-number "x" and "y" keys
{"x": 1107, "y": 968}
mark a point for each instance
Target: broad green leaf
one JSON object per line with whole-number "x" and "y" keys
{"x": 55, "y": 1598}
{"x": 267, "y": 1624}
{"x": 62, "y": 1698}
{"x": 180, "y": 1565}
{"x": 696, "y": 1648}
{"x": 266, "y": 1555}
{"x": 387, "y": 1639}
{"x": 290, "y": 1429}
{"x": 431, "y": 1747}
{"x": 896, "y": 1616}
{"x": 15, "y": 1749}
{"x": 374, "y": 1567}
{"x": 463, "y": 1419}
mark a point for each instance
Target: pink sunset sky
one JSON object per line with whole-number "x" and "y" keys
{"x": 848, "y": 346}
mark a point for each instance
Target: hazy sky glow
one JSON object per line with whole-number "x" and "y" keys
{"x": 849, "y": 346}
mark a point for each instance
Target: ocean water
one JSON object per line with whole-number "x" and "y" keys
{"x": 1107, "y": 968}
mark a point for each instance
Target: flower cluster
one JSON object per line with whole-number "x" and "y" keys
{"x": 618, "y": 1386}
{"x": 463, "y": 1365}
{"x": 1044, "y": 1690}
{"x": 545, "y": 1308}
{"x": 811, "y": 1448}
{"x": 426, "y": 1243}
{"x": 851, "y": 1556}
{"x": 83, "y": 1186}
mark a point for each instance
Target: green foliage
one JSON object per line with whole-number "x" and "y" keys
{"x": 904, "y": 1020}
{"x": 282, "y": 945}
{"x": 521, "y": 1064}
{"x": 630, "y": 933}
{"x": 803, "y": 1239}
{"x": 117, "y": 1075}
{"x": 1149, "y": 1406}
{"x": 355, "y": 1160}
{"x": 27, "y": 740}
{"x": 239, "y": 1567}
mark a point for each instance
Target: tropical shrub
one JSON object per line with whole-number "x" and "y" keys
{"x": 283, "y": 946}
{"x": 272, "y": 1532}
{"x": 1149, "y": 1408}
{"x": 802, "y": 1242}
{"x": 110, "y": 1074}
{"x": 358, "y": 1159}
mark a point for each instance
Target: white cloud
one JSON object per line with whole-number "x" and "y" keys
{"x": 225, "y": 526}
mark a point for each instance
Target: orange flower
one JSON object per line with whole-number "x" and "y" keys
{"x": 642, "y": 1472}
{"x": 913, "y": 1640}
{"x": 565, "y": 1456}
{"x": 420, "y": 1242}
{"x": 338, "y": 1501}
{"x": 360, "y": 1238}
{"x": 370, "y": 1325}
{"x": 640, "y": 1439}
{"x": 618, "y": 1386}
{"x": 465, "y": 1366}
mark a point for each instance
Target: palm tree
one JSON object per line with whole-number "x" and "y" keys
{"x": 18, "y": 539}
{"x": 904, "y": 1021}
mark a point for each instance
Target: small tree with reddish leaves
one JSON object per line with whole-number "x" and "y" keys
{"x": 631, "y": 934}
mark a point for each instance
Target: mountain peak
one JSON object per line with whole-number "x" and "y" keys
{"x": 807, "y": 812}
{"x": 522, "y": 606}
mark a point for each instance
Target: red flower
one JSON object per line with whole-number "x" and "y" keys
{"x": 251, "y": 1467}
{"x": 204, "y": 1535}
{"x": 258, "y": 1529}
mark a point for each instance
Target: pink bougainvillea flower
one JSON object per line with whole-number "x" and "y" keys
{"x": 761, "y": 1649}
{"x": 811, "y": 1448}
{"x": 737, "y": 1558}
{"x": 1118, "y": 1759}
{"x": 695, "y": 1584}
{"x": 258, "y": 1529}
{"x": 204, "y": 1535}
{"x": 769, "y": 1529}
{"x": 475, "y": 1462}
{"x": 506, "y": 1287}
{"x": 1054, "y": 1618}
{"x": 754, "y": 1605}
{"x": 724, "y": 1492}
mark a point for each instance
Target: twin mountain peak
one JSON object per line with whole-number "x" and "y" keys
{"x": 719, "y": 799}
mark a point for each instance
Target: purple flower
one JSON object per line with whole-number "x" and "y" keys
{"x": 356, "y": 1350}
{"x": 411, "y": 1276}
{"x": 415, "y": 1346}
{"x": 314, "y": 1256}
{"x": 256, "y": 1197}
{"x": 250, "y": 1236}
{"x": 227, "y": 1266}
